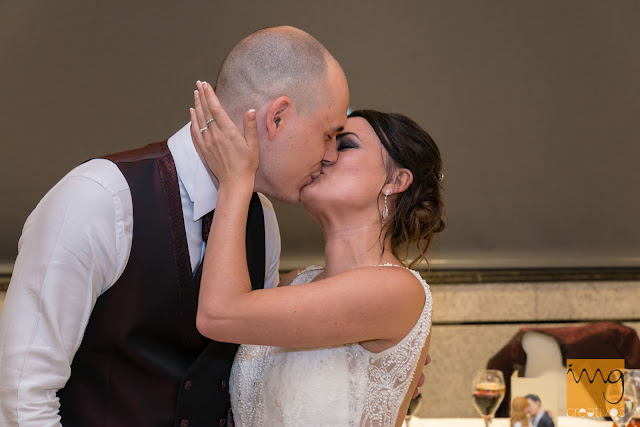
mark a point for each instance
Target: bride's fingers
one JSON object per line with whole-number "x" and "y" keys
{"x": 204, "y": 141}
{"x": 251, "y": 129}
{"x": 197, "y": 105}
{"x": 205, "y": 108}
{"x": 205, "y": 130}
{"x": 217, "y": 111}
{"x": 195, "y": 128}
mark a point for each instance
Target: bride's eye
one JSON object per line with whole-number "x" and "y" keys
{"x": 345, "y": 142}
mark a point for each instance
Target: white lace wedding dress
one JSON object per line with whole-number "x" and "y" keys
{"x": 344, "y": 385}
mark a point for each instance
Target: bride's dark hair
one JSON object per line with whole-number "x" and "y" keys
{"x": 418, "y": 211}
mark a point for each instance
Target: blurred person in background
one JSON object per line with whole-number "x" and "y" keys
{"x": 537, "y": 416}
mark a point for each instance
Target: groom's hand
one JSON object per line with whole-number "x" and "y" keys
{"x": 230, "y": 422}
{"x": 416, "y": 392}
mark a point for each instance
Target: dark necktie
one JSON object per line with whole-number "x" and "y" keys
{"x": 206, "y": 225}
{"x": 206, "y": 228}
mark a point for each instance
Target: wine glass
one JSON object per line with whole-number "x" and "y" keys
{"x": 414, "y": 404}
{"x": 488, "y": 390}
{"x": 631, "y": 395}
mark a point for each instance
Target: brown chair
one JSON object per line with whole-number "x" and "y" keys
{"x": 601, "y": 340}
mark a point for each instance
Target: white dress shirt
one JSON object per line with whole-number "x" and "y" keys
{"x": 74, "y": 247}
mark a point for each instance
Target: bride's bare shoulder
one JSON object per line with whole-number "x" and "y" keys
{"x": 401, "y": 281}
{"x": 397, "y": 279}
{"x": 395, "y": 271}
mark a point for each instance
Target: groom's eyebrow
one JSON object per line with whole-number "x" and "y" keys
{"x": 336, "y": 129}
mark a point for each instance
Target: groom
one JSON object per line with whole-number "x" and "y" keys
{"x": 98, "y": 326}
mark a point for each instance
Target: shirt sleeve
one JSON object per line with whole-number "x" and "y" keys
{"x": 272, "y": 244}
{"x": 73, "y": 247}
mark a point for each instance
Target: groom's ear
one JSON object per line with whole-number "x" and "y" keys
{"x": 277, "y": 114}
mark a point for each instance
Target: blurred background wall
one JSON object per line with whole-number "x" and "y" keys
{"x": 533, "y": 103}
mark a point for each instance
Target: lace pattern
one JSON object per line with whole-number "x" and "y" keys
{"x": 340, "y": 385}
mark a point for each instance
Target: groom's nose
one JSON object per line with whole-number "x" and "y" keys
{"x": 330, "y": 152}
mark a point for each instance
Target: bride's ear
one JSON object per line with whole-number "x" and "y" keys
{"x": 400, "y": 180}
{"x": 278, "y": 114}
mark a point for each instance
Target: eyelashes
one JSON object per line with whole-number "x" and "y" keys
{"x": 342, "y": 147}
{"x": 345, "y": 142}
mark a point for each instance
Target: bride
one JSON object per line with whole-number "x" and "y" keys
{"x": 343, "y": 344}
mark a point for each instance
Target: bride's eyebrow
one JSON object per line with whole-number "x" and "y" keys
{"x": 341, "y": 135}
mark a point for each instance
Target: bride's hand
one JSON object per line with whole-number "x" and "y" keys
{"x": 232, "y": 158}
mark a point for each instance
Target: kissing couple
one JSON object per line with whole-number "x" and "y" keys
{"x": 152, "y": 335}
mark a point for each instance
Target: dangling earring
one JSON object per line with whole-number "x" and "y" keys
{"x": 385, "y": 211}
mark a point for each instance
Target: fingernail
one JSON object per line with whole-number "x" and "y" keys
{"x": 197, "y": 82}
{"x": 252, "y": 114}
{"x": 195, "y": 93}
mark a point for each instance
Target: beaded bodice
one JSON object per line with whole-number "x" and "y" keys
{"x": 343, "y": 385}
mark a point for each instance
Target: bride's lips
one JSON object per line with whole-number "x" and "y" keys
{"x": 312, "y": 178}
{"x": 315, "y": 175}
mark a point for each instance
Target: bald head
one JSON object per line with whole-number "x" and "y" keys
{"x": 273, "y": 62}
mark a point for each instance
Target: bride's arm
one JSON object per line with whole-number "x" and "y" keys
{"x": 372, "y": 303}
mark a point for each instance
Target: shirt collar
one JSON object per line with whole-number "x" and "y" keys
{"x": 192, "y": 172}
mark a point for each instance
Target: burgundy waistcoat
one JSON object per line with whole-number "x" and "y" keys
{"x": 142, "y": 362}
